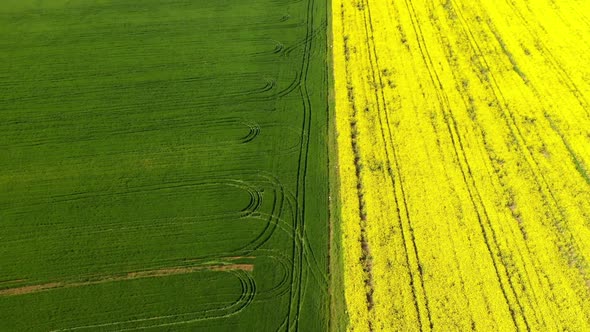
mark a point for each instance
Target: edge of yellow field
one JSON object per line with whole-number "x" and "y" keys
{"x": 338, "y": 319}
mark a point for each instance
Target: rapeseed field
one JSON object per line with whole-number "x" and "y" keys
{"x": 464, "y": 159}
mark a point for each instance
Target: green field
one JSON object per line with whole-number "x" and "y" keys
{"x": 163, "y": 165}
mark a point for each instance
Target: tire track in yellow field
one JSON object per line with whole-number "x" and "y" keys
{"x": 535, "y": 266}
{"x": 350, "y": 135}
{"x": 520, "y": 138}
{"x": 490, "y": 238}
{"x": 545, "y": 191}
{"x": 468, "y": 103}
{"x": 365, "y": 247}
{"x": 415, "y": 272}
{"x": 565, "y": 78}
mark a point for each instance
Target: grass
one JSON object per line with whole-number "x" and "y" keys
{"x": 338, "y": 319}
{"x": 139, "y": 137}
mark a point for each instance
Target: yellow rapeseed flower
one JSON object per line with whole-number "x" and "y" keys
{"x": 464, "y": 149}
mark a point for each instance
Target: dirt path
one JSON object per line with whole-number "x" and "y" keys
{"x": 129, "y": 276}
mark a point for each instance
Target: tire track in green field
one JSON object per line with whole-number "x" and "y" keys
{"x": 206, "y": 130}
{"x": 247, "y": 297}
{"x": 248, "y": 292}
{"x": 251, "y": 212}
{"x": 299, "y": 222}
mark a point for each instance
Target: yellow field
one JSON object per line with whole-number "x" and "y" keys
{"x": 464, "y": 152}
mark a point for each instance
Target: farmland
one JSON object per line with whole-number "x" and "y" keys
{"x": 464, "y": 159}
{"x": 163, "y": 165}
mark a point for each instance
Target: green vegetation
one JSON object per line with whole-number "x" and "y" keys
{"x": 163, "y": 165}
{"x": 338, "y": 320}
